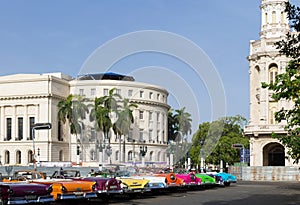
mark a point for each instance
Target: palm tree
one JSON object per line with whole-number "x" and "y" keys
{"x": 71, "y": 110}
{"x": 184, "y": 127}
{"x": 103, "y": 108}
{"x": 123, "y": 123}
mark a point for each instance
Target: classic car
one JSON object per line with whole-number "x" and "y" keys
{"x": 225, "y": 179}
{"x": 25, "y": 193}
{"x": 65, "y": 174}
{"x": 132, "y": 185}
{"x": 172, "y": 180}
{"x": 190, "y": 180}
{"x": 24, "y": 175}
{"x": 65, "y": 189}
{"x": 155, "y": 183}
{"x": 207, "y": 181}
{"x": 105, "y": 186}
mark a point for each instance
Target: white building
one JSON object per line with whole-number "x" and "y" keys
{"x": 265, "y": 62}
{"x": 26, "y": 99}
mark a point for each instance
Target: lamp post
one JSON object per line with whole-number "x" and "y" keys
{"x": 38, "y": 157}
{"x": 100, "y": 148}
{"x": 143, "y": 151}
{"x": 38, "y": 126}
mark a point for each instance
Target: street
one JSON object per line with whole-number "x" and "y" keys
{"x": 254, "y": 193}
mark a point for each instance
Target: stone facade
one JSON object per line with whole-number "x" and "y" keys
{"x": 26, "y": 99}
{"x": 265, "y": 62}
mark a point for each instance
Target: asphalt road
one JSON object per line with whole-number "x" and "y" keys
{"x": 242, "y": 193}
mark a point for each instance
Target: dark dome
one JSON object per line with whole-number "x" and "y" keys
{"x": 106, "y": 76}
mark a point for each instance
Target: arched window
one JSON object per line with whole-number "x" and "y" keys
{"x": 61, "y": 155}
{"x": 151, "y": 156}
{"x": 282, "y": 17}
{"x": 129, "y": 156}
{"x": 117, "y": 155}
{"x": 273, "y": 71}
{"x": 30, "y": 156}
{"x": 273, "y": 16}
{"x": 18, "y": 157}
{"x": 92, "y": 155}
{"x": 266, "y": 18}
{"x": 158, "y": 156}
{"x": 7, "y": 157}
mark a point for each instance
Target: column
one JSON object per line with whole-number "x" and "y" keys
{"x": 263, "y": 96}
{"x": 2, "y": 123}
{"x": 13, "y": 124}
{"x": 25, "y": 123}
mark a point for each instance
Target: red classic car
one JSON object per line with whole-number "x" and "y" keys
{"x": 25, "y": 193}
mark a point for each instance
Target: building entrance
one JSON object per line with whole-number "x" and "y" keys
{"x": 273, "y": 155}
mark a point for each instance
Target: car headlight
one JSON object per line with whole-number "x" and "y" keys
{"x": 63, "y": 189}
{"x": 10, "y": 191}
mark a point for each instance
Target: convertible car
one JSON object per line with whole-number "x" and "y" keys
{"x": 66, "y": 189}
{"x": 155, "y": 183}
{"x": 25, "y": 193}
{"x": 190, "y": 180}
{"x": 207, "y": 181}
{"x": 132, "y": 185}
{"x": 173, "y": 181}
{"x": 225, "y": 179}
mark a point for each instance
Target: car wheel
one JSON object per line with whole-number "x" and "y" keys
{"x": 227, "y": 183}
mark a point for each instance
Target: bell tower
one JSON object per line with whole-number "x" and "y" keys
{"x": 265, "y": 63}
{"x": 274, "y": 22}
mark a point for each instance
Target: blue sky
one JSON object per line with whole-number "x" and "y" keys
{"x": 59, "y": 35}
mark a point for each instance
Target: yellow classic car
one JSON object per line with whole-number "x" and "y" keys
{"x": 132, "y": 185}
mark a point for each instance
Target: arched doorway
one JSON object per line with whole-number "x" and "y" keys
{"x": 273, "y": 155}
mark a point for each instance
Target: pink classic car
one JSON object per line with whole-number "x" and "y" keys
{"x": 190, "y": 180}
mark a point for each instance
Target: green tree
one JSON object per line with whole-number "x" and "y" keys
{"x": 220, "y": 149}
{"x": 287, "y": 85}
{"x": 122, "y": 125}
{"x": 71, "y": 110}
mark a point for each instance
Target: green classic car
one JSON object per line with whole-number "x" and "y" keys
{"x": 207, "y": 181}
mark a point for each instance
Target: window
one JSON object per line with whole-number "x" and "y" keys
{"x": 59, "y": 132}
{"x": 151, "y": 156}
{"x": 105, "y": 91}
{"x": 141, "y": 115}
{"x": 150, "y": 116}
{"x": 8, "y": 129}
{"x": 150, "y": 135}
{"x": 130, "y": 93}
{"x": 18, "y": 157}
{"x": 61, "y": 155}
{"x": 163, "y": 98}
{"x": 130, "y": 135}
{"x": 150, "y": 95}
{"x": 92, "y": 155}
{"x": 282, "y": 17}
{"x": 118, "y": 91}
{"x": 158, "y": 96}
{"x": 141, "y": 137}
{"x": 30, "y": 156}
{"x": 93, "y": 135}
{"x": 157, "y": 117}
{"x": 273, "y": 16}
{"x": 81, "y": 92}
{"x": 273, "y": 71}
{"x": 20, "y": 128}
{"x": 129, "y": 156}
{"x": 117, "y": 155}
{"x": 31, "y": 123}
{"x": 266, "y": 18}
{"x": 141, "y": 94}
{"x": 7, "y": 157}
{"x": 93, "y": 91}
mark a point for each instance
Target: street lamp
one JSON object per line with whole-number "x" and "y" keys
{"x": 38, "y": 157}
{"x": 38, "y": 126}
{"x": 143, "y": 151}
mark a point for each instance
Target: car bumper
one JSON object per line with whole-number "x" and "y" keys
{"x": 68, "y": 196}
{"x": 41, "y": 199}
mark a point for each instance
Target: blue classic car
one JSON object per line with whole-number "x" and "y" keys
{"x": 223, "y": 178}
